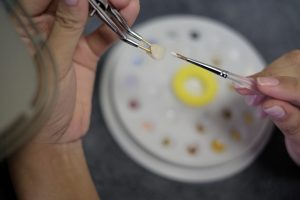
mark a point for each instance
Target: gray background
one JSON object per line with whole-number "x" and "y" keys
{"x": 273, "y": 26}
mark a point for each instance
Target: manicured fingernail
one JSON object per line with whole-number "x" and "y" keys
{"x": 241, "y": 85}
{"x": 250, "y": 100}
{"x": 275, "y": 112}
{"x": 267, "y": 81}
{"x": 237, "y": 86}
{"x": 71, "y": 2}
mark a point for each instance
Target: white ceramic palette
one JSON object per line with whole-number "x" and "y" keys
{"x": 152, "y": 107}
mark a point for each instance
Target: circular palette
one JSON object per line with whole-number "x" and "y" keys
{"x": 178, "y": 120}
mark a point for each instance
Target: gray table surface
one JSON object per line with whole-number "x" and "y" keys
{"x": 273, "y": 26}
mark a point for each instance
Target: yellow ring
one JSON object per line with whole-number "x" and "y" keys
{"x": 207, "y": 80}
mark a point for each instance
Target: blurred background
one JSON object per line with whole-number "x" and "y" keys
{"x": 273, "y": 28}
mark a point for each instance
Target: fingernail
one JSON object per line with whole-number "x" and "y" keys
{"x": 267, "y": 81}
{"x": 241, "y": 85}
{"x": 237, "y": 86}
{"x": 250, "y": 99}
{"x": 275, "y": 112}
{"x": 71, "y": 2}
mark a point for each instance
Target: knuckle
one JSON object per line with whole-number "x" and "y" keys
{"x": 293, "y": 85}
{"x": 294, "y": 56}
{"x": 68, "y": 21}
{"x": 291, "y": 130}
{"x": 292, "y": 82}
{"x": 297, "y": 151}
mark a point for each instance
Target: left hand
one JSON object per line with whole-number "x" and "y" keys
{"x": 280, "y": 82}
{"x": 62, "y": 22}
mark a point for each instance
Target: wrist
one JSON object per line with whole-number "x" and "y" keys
{"x": 51, "y": 152}
{"x": 52, "y": 171}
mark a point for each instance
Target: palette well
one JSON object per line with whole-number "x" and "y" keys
{"x": 175, "y": 119}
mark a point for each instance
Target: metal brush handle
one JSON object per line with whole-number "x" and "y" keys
{"x": 243, "y": 82}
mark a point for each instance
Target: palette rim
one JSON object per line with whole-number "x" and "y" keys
{"x": 148, "y": 159}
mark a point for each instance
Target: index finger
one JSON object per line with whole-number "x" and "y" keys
{"x": 286, "y": 65}
{"x": 103, "y": 37}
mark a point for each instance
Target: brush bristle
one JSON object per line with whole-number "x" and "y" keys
{"x": 174, "y": 53}
{"x": 179, "y": 55}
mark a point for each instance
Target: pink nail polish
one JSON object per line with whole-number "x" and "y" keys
{"x": 71, "y": 2}
{"x": 267, "y": 81}
{"x": 275, "y": 112}
{"x": 237, "y": 86}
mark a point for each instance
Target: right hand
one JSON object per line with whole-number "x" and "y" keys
{"x": 280, "y": 83}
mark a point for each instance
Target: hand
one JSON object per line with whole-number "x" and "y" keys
{"x": 62, "y": 22}
{"x": 280, "y": 82}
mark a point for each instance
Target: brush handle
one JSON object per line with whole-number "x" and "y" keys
{"x": 243, "y": 82}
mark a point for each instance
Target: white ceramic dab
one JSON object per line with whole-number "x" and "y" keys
{"x": 178, "y": 120}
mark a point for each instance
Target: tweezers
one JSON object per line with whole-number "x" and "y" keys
{"x": 110, "y": 16}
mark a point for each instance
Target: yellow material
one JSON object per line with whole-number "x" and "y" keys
{"x": 235, "y": 135}
{"x": 166, "y": 142}
{"x": 207, "y": 80}
{"x": 248, "y": 118}
{"x": 218, "y": 146}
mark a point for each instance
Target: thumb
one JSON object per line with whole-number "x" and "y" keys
{"x": 69, "y": 22}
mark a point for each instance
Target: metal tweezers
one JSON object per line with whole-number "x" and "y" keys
{"x": 118, "y": 24}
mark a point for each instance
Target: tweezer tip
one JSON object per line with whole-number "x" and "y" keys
{"x": 146, "y": 49}
{"x": 178, "y": 55}
{"x": 146, "y": 42}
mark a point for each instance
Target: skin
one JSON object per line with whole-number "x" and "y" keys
{"x": 280, "y": 83}
{"x": 52, "y": 165}
{"x": 76, "y": 56}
